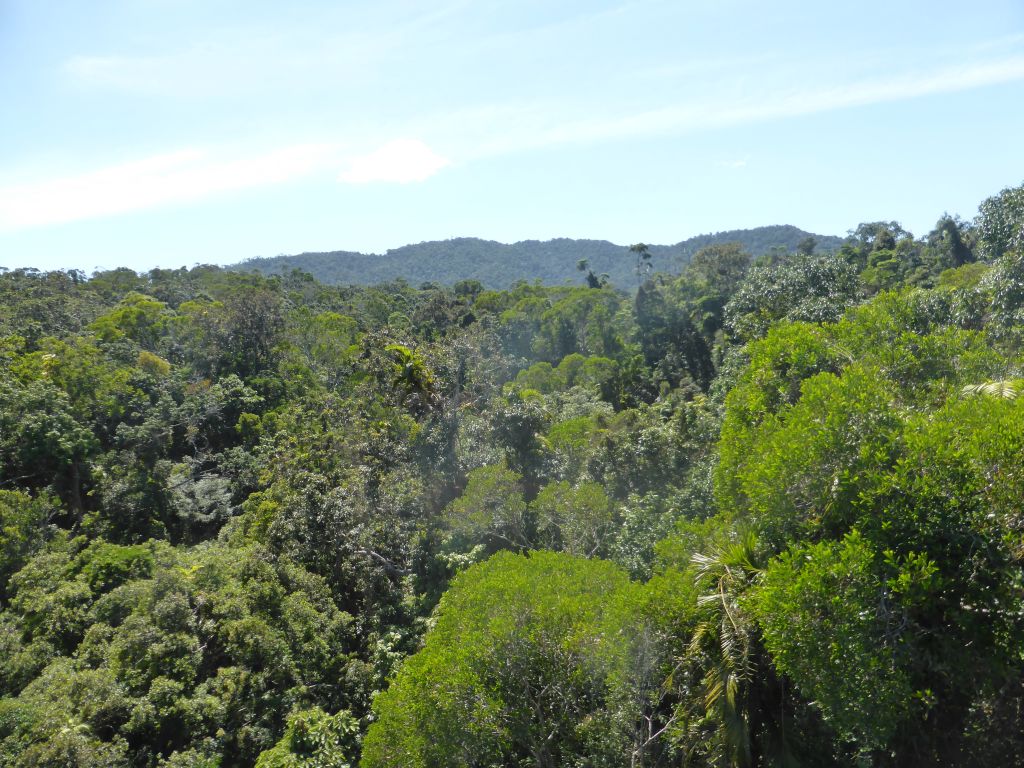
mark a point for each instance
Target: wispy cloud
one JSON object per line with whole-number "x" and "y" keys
{"x": 207, "y": 71}
{"x": 178, "y": 177}
{"x": 679, "y": 70}
{"x": 342, "y": 45}
{"x": 902, "y": 88}
{"x": 533, "y": 133}
{"x": 402, "y": 161}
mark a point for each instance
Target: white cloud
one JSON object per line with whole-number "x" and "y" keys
{"x": 177, "y": 177}
{"x": 911, "y": 86}
{"x": 401, "y": 161}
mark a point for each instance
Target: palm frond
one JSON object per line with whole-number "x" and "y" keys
{"x": 1008, "y": 389}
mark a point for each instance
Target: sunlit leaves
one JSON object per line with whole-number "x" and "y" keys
{"x": 519, "y": 666}
{"x": 833, "y": 626}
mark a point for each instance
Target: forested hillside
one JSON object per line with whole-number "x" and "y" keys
{"x": 764, "y": 512}
{"x": 497, "y": 265}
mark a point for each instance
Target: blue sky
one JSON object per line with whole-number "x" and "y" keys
{"x": 172, "y": 132}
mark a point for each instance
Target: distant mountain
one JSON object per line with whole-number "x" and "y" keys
{"x": 498, "y": 265}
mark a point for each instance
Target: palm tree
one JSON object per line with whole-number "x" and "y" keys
{"x": 722, "y": 646}
{"x": 643, "y": 259}
{"x": 739, "y": 710}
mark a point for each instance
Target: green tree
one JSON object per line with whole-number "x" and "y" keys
{"x": 314, "y": 739}
{"x": 521, "y": 667}
{"x": 491, "y": 511}
{"x": 579, "y": 520}
{"x": 642, "y": 251}
{"x": 831, "y": 625}
{"x": 24, "y": 526}
{"x": 1000, "y": 223}
{"x": 813, "y": 289}
{"x": 720, "y": 268}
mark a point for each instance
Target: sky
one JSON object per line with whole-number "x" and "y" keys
{"x": 147, "y": 133}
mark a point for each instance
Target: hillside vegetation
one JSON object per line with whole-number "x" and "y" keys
{"x": 497, "y": 265}
{"x": 765, "y": 512}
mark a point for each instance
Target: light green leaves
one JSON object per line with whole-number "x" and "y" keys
{"x": 834, "y": 627}
{"x": 521, "y": 665}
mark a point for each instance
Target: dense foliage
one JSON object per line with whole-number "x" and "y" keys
{"x": 763, "y": 512}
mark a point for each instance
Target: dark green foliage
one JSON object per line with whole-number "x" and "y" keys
{"x": 24, "y": 526}
{"x": 670, "y": 342}
{"x": 176, "y": 648}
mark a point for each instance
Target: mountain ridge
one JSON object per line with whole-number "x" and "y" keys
{"x": 499, "y": 265}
